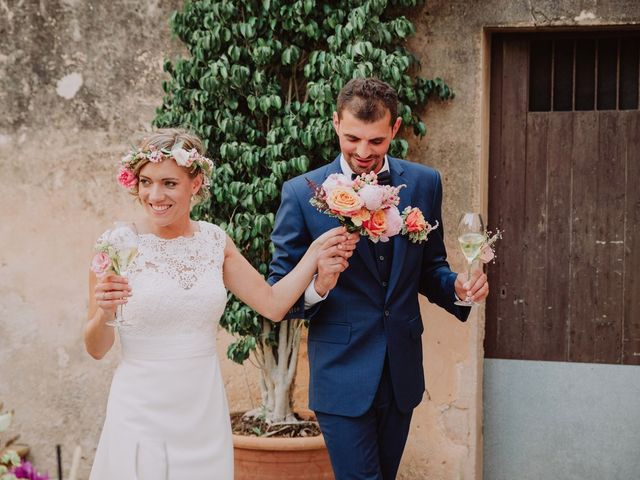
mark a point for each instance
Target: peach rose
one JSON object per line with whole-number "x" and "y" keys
{"x": 376, "y": 225}
{"x": 344, "y": 201}
{"x": 415, "y": 221}
{"x": 100, "y": 264}
{"x": 360, "y": 217}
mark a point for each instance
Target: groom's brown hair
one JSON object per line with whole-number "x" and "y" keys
{"x": 368, "y": 99}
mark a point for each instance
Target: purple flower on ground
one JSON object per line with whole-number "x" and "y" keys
{"x": 26, "y": 470}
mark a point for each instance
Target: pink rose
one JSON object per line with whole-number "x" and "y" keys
{"x": 394, "y": 222}
{"x": 336, "y": 180}
{"x": 486, "y": 254}
{"x": 127, "y": 178}
{"x": 100, "y": 264}
{"x": 372, "y": 196}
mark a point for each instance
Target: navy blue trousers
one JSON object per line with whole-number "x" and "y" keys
{"x": 368, "y": 447}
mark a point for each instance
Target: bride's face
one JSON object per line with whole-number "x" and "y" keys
{"x": 165, "y": 191}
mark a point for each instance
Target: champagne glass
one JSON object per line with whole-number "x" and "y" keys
{"x": 152, "y": 460}
{"x": 471, "y": 236}
{"x": 123, "y": 239}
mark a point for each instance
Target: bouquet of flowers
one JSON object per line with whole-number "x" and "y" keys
{"x": 364, "y": 206}
{"x": 115, "y": 251}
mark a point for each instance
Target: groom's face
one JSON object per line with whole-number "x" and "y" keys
{"x": 364, "y": 144}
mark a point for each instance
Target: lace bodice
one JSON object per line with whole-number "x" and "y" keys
{"x": 176, "y": 285}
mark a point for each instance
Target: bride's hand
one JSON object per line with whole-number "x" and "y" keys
{"x": 337, "y": 247}
{"x": 110, "y": 292}
{"x": 331, "y": 240}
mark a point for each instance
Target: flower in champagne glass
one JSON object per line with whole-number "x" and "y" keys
{"x": 487, "y": 251}
{"x": 101, "y": 264}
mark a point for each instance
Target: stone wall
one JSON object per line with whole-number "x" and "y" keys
{"x": 78, "y": 80}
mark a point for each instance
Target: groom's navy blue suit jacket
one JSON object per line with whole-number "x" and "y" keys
{"x": 361, "y": 320}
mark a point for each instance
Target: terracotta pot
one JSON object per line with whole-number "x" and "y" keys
{"x": 304, "y": 458}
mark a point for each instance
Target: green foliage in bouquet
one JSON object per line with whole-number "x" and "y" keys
{"x": 259, "y": 87}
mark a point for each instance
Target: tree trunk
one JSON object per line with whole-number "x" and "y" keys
{"x": 278, "y": 365}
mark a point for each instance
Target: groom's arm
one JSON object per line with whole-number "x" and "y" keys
{"x": 290, "y": 239}
{"x": 437, "y": 281}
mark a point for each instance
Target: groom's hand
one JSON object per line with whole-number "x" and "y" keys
{"x": 331, "y": 263}
{"x": 475, "y": 289}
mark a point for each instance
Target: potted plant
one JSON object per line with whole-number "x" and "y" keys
{"x": 259, "y": 87}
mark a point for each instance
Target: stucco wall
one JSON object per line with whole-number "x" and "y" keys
{"x": 78, "y": 79}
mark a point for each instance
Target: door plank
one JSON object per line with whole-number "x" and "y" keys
{"x": 556, "y": 317}
{"x": 609, "y": 244}
{"x": 513, "y": 146}
{"x": 583, "y": 238}
{"x": 631, "y": 294}
{"x": 534, "y": 235}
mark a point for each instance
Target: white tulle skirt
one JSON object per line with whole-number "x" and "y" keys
{"x": 167, "y": 391}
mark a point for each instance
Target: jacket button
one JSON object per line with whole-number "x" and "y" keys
{"x": 387, "y": 313}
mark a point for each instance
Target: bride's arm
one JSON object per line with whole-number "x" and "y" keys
{"x": 104, "y": 296}
{"x": 273, "y": 302}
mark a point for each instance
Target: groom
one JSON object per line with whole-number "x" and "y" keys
{"x": 365, "y": 348}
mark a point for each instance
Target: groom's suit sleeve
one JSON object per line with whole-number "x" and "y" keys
{"x": 436, "y": 278}
{"x": 291, "y": 239}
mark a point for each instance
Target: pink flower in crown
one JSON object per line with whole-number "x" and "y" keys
{"x": 394, "y": 222}
{"x": 100, "y": 264}
{"x": 127, "y": 178}
{"x": 372, "y": 196}
{"x": 155, "y": 156}
{"x": 336, "y": 180}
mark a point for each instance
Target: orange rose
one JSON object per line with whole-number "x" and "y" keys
{"x": 376, "y": 225}
{"x": 415, "y": 221}
{"x": 344, "y": 201}
{"x": 360, "y": 217}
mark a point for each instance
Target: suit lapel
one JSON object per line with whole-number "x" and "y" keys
{"x": 400, "y": 242}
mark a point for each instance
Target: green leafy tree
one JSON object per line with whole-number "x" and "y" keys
{"x": 259, "y": 87}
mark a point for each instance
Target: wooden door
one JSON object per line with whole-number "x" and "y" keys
{"x": 564, "y": 185}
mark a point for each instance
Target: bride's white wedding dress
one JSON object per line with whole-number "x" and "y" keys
{"x": 168, "y": 387}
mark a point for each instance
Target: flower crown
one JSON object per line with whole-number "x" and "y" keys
{"x": 185, "y": 158}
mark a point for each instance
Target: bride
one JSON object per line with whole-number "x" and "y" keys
{"x": 168, "y": 388}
